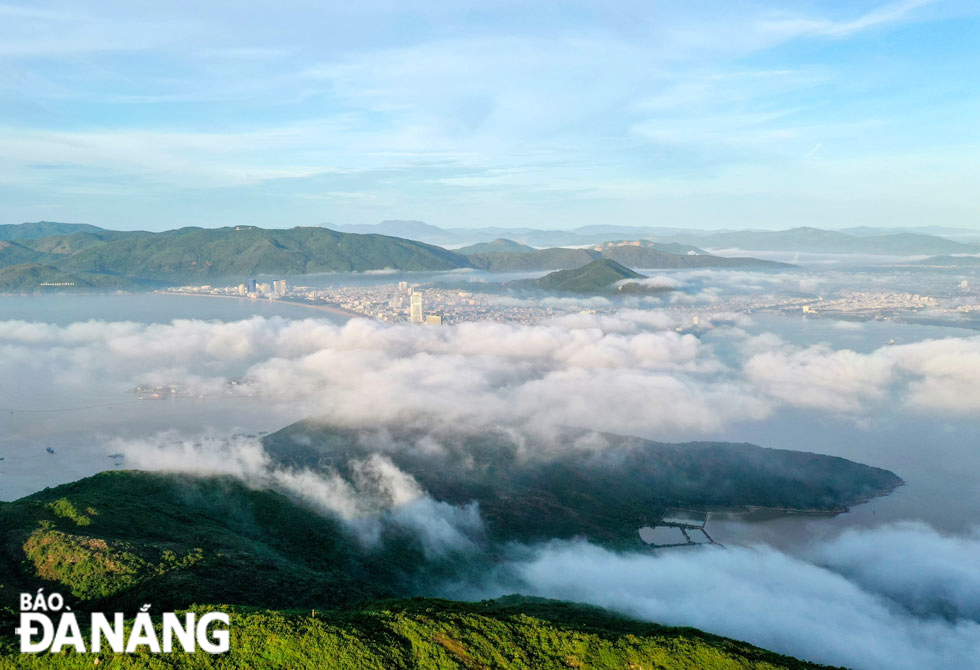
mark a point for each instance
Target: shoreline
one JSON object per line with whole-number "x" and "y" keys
{"x": 340, "y": 311}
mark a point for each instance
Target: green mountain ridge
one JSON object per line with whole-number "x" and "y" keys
{"x": 510, "y": 633}
{"x": 816, "y": 240}
{"x": 37, "y": 277}
{"x": 883, "y": 240}
{"x": 199, "y": 253}
{"x": 603, "y": 487}
{"x": 499, "y": 245}
{"x": 210, "y": 255}
{"x": 37, "y": 229}
{"x": 599, "y": 276}
{"x": 120, "y": 539}
{"x": 651, "y": 256}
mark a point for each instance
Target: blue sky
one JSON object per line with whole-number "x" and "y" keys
{"x": 728, "y": 113}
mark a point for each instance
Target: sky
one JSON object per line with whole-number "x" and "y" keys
{"x": 468, "y": 113}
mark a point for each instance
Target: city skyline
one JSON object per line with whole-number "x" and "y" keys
{"x": 747, "y": 114}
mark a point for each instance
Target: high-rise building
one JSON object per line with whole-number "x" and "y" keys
{"x": 403, "y": 286}
{"x": 242, "y": 289}
{"x": 416, "y": 311}
{"x": 279, "y": 287}
{"x": 433, "y": 320}
{"x": 250, "y": 283}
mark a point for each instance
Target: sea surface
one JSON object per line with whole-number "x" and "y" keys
{"x": 147, "y": 308}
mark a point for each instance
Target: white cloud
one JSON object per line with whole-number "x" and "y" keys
{"x": 628, "y": 371}
{"x": 375, "y": 493}
{"x": 848, "y": 611}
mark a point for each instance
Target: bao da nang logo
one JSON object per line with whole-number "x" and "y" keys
{"x": 48, "y": 624}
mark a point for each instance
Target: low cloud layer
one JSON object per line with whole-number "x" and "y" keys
{"x": 377, "y": 493}
{"x": 900, "y": 596}
{"x": 626, "y": 372}
{"x": 892, "y": 598}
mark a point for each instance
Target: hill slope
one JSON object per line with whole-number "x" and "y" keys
{"x": 830, "y": 241}
{"x": 499, "y": 245}
{"x": 579, "y": 483}
{"x": 198, "y": 254}
{"x": 121, "y": 538}
{"x": 36, "y": 229}
{"x": 117, "y": 540}
{"x": 512, "y": 633}
{"x": 192, "y": 253}
{"x": 599, "y": 276}
{"x": 37, "y": 277}
{"x": 647, "y": 256}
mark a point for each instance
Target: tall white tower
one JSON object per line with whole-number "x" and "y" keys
{"x": 416, "y": 313}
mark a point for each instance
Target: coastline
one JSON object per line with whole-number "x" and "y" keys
{"x": 323, "y": 308}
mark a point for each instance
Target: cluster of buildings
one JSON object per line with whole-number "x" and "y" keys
{"x": 948, "y": 303}
{"x": 401, "y": 301}
{"x": 394, "y": 302}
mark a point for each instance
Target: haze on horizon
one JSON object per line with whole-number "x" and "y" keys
{"x": 736, "y": 114}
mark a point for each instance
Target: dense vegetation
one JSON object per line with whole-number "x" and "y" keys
{"x": 599, "y": 276}
{"x": 423, "y": 634}
{"x": 498, "y": 245}
{"x": 117, "y": 540}
{"x": 36, "y": 229}
{"x": 649, "y": 255}
{"x": 34, "y": 276}
{"x": 603, "y": 487}
{"x": 206, "y": 255}
{"x": 93, "y": 258}
{"x": 122, "y": 538}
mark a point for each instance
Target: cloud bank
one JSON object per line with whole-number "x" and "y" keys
{"x": 626, "y": 372}
{"x": 900, "y": 596}
{"x": 892, "y": 598}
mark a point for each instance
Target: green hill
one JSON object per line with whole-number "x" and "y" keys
{"x": 499, "y": 245}
{"x": 209, "y": 255}
{"x": 830, "y": 241}
{"x": 117, "y": 540}
{"x": 65, "y": 245}
{"x": 13, "y": 253}
{"x": 604, "y": 494}
{"x": 512, "y": 633}
{"x": 36, "y": 229}
{"x": 122, "y": 538}
{"x": 648, "y": 256}
{"x": 653, "y": 257}
{"x": 38, "y": 278}
{"x": 599, "y": 276}
{"x": 199, "y": 254}
{"x": 557, "y": 258}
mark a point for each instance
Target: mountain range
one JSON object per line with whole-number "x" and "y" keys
{"x": 83, "y": 258}
{"x": 634, "y": 254}
{"x": 33, "y": 255}
{"x": 931, "y": 240}
{"x": 207, "y": 254}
